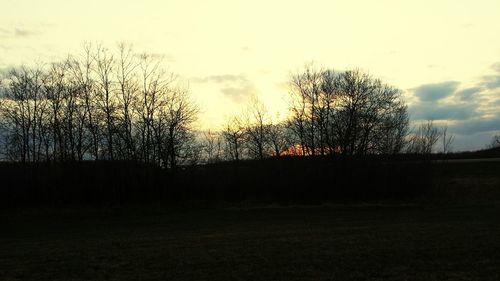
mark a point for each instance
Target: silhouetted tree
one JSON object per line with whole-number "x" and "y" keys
{"x": 495, "y": 141}
{"x": 348, "y": 112}
{"x": 154, "y": 88}
{"x": 212, "y": 146}
{"x": 424, "y": 139}
{"x": 257, "y": 129}
{"x": 127, "y": 97}
{"x": 234, "y": 135}
{"x": 83, "y": 73}
{"x": 23, "y": 114}
{"x": 305, "y": 88}
{"x": 279, "y": 138}
{"x": 370, "y": 116}
{"x": 97, "y": 107}
{"x": 174, "y": 125}
{"x": 447, "y": 140}
{"x": 104, "y": 67}
{"x": 325, "y": 113}
{"x": 86, "y": 126}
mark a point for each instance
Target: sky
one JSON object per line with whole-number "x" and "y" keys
{"x": 444, "y": 55}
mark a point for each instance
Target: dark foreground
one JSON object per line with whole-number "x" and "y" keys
{"x": 303, "y": 243}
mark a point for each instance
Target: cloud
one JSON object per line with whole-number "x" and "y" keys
{"x": 466, "y": 25}
{"x": 239, "y": 94}
{"x": 238, "y": 88}
{"x": 17, "y": 32}
{"x": 435, "y": 92}
{"x": 477, "y": 125}
{"x": 434, "y": 111}
{"x": 492, "y": 82}
{"x": 226, "y": 78}
{"x": 21, "y": 32}
{"x": 467, "y": 94}
{"x": 430, "y": 105}
{"x": 496, "y": 67}
{"x": 473, "y": 112}
{"x": 471, "y": 142}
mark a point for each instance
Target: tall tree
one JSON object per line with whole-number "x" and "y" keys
{"x": 128, "y": 95}
{"x": 305, "y": 88}
{"x": 176, "y": 119}
{"x": 348, "y": 112}
{"x": 257, "y": 129}
{"x": 104, "y": 63}
{"x": 234, "y": 134}
{"x": 424, "y": 138}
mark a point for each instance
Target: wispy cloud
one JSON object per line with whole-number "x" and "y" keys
{"x": 469, "y": 93}
{"x": 492, "y": 81}
{"x": 238, "y": 88}
{"x": 430, "y": 103}
{"x": 477, "y": 125}
{"x": 226, "y": 78}
{"x": 22, "y": 32}
{"x": 496, "y": 67}
{"x": 435, "y": 92}
{"x": 18, "y": 32}
{"x": 430, "y": 111}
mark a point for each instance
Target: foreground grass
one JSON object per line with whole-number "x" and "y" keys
{"x": 320, "y": 243}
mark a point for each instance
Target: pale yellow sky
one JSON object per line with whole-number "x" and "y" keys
{"x": 229, "y": 49}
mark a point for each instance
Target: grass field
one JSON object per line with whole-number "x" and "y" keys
{"x": 281, "y": 243}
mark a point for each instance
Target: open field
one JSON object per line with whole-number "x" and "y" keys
{"x": 402, "y": 242}
{"x": 449, "y": 230}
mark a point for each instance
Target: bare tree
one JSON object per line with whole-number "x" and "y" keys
{"x": 256, "y": 129}
{"x": 447, "y": 140}
{"x": 176, "y": 119}
{"x": 424, "y": 139}
{"x": 104, "y": 63}
{"x": 55, "y": 86}
{"x": 96, "y": 106}
{"x": 389, "y": 136}
{"x": 326, "y": 111}
{"x": 368, "y": 110}
{"x": 23, "y": 113}
{"x": 279, "y": 138}
{"x": 85, "y": 123}
{"x": 89, "y": 115}
{"x": 128, "y": 95}
{"x": 212, "y": 146}
{"x": 234, "y": 134}
{"x": 495, "y": 141}
{"x": 305, "y": 88}
{"x": 152, "y": 93}
{"x": 348, "y": 112}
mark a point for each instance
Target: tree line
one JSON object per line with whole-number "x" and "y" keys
{"x": 102, "y": 105}
{"x": 331, "y": 113}
{"x": 120, "y": 105}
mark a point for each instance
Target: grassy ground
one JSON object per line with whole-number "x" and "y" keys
{"x": 303, "y": 243}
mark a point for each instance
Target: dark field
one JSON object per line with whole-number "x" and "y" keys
{"x": 402, "y": 242}
{"x": 448, "y": 229}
